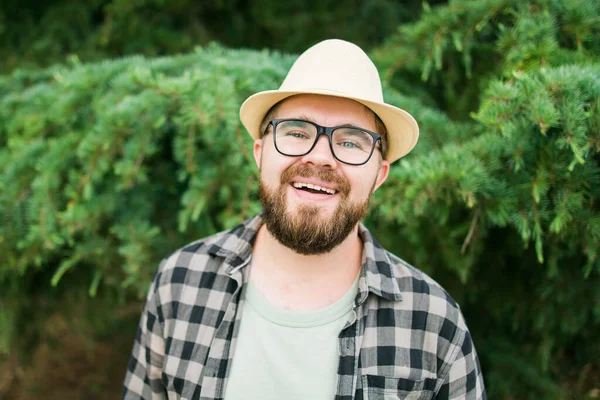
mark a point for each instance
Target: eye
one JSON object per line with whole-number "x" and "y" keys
{"x": 352, "y": 139}
{"x": 349, "y": 145}
{"x": 297, "y": 134}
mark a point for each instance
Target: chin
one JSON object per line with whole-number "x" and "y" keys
{"x": 305, "y": 209}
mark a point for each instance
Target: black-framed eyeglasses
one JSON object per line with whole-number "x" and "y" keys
{"x": 349, "y": 144}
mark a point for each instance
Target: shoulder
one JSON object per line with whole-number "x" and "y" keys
{"x": 195, "y": 255}
{"x": 428, "y": 301}
{"x": 208, "y": 256}
{"x": 416, "y": 283}
{"x": 430, "y": 313}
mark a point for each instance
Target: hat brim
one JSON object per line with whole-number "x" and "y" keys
{"x": 403, "y": 130}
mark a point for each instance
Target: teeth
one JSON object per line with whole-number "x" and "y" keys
{"x": 299, "y": 185}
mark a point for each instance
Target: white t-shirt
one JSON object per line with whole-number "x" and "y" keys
{"x": 283, "y": 354}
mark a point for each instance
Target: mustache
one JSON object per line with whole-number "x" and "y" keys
{"x": 309, "y": 171}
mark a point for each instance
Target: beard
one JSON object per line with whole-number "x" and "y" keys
{"x": 307, "y": 232}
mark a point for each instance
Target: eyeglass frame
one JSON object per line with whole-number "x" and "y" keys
{"x": 322, "y": 130}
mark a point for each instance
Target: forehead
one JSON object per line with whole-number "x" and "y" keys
{"x": 327, "y": 110}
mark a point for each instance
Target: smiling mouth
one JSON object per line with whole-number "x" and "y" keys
{"x": 308, "y": 187}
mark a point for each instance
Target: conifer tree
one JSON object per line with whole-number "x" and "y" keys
{"x": 107, "y": 167}
{"x": 508, "y": 203}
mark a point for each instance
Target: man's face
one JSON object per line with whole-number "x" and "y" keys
{"x": 313, "y": 221}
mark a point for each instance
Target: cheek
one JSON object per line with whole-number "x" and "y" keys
{"x": 267, "y": 175}
{"x": 362, "y": 185}
{"x": 272, "y": 166}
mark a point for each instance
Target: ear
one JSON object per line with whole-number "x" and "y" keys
{"x": 258, "y": 151}
{"x": 382, "y": 174}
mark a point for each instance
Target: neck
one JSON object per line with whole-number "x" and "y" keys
{"x": 304, "y": 282}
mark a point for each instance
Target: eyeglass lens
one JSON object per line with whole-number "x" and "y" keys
{"x": 350, "y": 145}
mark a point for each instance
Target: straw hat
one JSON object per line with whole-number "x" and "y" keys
{"x": 336, "y": 68}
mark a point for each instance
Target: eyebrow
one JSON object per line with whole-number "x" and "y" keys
{"x": 307, "y": 118}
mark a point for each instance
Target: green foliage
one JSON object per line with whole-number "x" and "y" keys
{"x": 107, "y": 167}
{"x": 464, "y": 45}
{"x": 505, "y": 212}
{"x": 34, "y": 34}
{"x": 87, "y": 147}
{"x": 513, "y": 211}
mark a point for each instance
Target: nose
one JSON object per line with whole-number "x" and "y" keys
{"x": 321, "y": 155}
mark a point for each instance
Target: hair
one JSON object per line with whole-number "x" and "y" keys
{"x": 379, "y": 125}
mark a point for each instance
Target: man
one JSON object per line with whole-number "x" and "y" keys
{"x": 301, "y": 302}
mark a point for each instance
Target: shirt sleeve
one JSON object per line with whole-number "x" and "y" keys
{"x": 143, "y": 377}
{"x": 464, "y": 380}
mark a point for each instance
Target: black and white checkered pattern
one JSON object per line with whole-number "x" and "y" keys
{"x": 407, "y": 340}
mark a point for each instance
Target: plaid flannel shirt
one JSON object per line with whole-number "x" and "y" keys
{"x": 407, "y": 338}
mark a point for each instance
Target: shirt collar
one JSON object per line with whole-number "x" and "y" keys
{"x": 377, "y": 274}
